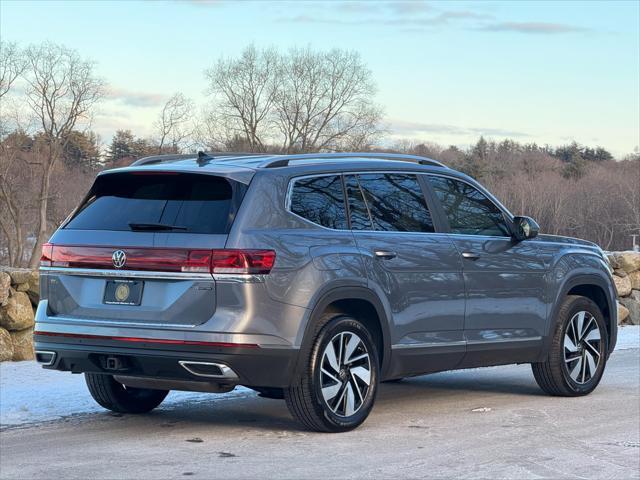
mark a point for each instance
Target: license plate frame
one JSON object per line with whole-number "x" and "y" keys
{"x": 123, "y": 292}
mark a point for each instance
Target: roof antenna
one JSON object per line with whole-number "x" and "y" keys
{"x": 203, "y": 158}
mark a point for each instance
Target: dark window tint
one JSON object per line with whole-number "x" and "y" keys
{"x": 320, "y": 200}
{"x": 188, "y": 202}
{"x": 469, "y": 211}
{"x": 359, "y": 213}
{"x": 396, "y": 202}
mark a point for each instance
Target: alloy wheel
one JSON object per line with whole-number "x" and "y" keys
{"x": 582, "y": 347}
{"x": 345, "y": 374}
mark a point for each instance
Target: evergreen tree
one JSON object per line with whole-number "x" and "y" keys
{"x": 82, "y": 150}
{"x": 122, "y": 145}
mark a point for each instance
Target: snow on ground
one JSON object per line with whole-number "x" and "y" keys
{"x": 29, "y": 394}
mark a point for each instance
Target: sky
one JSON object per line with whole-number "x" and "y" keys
{"x": 446, "y": 72}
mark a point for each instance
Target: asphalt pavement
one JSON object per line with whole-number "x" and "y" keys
{"x": 481, "y": 423}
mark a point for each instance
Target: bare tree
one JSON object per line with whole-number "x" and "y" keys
{"x": 12, "y": 64}
{"x": 172, "y": 124}
{"x": 302, "y": 100}
{"x": 244, "y": 90}
{"x": 325, "y": 101}
{"x": 62, "y": 90}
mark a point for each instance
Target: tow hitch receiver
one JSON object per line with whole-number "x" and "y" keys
{"x": 114, "y": 363}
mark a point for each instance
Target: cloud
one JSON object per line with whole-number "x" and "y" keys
{"x": 538, "y": 28}
{"x": 397, "y": 20}
{"x": 136, "y": 99}
{"x": 408, "y": 7}
{"x": 202, "y": 3}
{"x": 417, "y": 128}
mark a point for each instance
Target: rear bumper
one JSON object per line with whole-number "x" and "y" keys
{"x": 256, "y": 366}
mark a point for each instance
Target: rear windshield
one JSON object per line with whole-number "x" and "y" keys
{"x": 172, "y": 202}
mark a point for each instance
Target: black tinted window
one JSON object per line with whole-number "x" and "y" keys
{"x": 469, "y": 211}
{"x": 320, "y": 200}
{"x": 360, "y": 219}
{"x": 191, "y": 203}
{"x": 396, "y": 202}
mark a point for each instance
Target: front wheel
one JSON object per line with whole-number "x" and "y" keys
{"x": 338, "y": 386}
{"x": 579, "y": 350}
{"x": 119, "y": 398}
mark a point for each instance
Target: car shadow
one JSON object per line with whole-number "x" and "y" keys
{"x": 260, "y": 414}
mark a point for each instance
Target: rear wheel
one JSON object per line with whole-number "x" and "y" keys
{"x": 578, "y": 352}
{"x": 119, "y": 398}
{"x": 338, "y": 386}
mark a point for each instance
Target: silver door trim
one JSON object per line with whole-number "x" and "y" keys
{"x": 401, "y": 346}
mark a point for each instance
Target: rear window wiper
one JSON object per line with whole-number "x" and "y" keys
{"x": 154, "y": 227}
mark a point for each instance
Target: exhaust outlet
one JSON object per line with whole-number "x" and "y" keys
{"x": 209, "y": 369}
{"x": 45, "y": 358}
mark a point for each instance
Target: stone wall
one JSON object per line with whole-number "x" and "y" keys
{"x": 626, "y": 275}
{"x": 18, "y": 298}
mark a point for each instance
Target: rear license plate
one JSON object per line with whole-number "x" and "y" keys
{"x": 123, "y": 292}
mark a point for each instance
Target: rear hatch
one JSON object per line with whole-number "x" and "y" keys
{"x": 141, "y": 248}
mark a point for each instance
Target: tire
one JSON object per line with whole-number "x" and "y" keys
{"x": 569, "y": 368}
{"x": 346, "y": 399}
{"x": 116, "y": 397}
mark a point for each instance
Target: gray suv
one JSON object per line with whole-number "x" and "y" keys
{"x": 311, "y": 278}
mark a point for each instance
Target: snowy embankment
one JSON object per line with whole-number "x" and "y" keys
{"x": 29, "y": 394}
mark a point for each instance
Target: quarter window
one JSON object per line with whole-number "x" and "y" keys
{"x": 469, "y": 211}
{"x": 395, "y": 202}
{"x": 320, "y": 200}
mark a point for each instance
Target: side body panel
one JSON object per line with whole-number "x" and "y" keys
{"x": 506, "y": 313}
{"x": 424, "y": 288}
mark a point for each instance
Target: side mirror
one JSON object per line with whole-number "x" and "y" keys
{"x": 524, "y": 228}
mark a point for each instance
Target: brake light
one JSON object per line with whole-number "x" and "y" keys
{"x": 47, "y": 253}
{"x": 242, "y": 261}
{"x": 159, "y": 259}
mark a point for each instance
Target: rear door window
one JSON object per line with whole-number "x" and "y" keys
{"x": 173, "y": 202}
{"x": 320, "y": 200}
{"x": 395, "y": 202}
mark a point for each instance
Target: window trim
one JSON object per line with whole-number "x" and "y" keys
{"x": 506, "y": 214}
{"x": 432, "y": 205}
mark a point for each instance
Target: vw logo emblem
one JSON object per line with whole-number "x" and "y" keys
{"x": 119, "y": 258}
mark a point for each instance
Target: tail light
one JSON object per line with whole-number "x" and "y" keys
{"x": 232, "y": 261}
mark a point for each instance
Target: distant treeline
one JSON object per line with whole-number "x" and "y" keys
{"x": 265, "y": 100}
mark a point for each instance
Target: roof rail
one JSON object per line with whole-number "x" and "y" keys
{"x": 161, "y": 159}
{"x": 283, "y": 162}
{"x": 154, "y": 159}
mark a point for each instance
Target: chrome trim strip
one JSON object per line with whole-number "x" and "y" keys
{"x": 46, "y": 352}
{"x": 96, "y": 272}
{"x": 504, "y": 340}
{"x": 239, "y": 278}
{"x": 227, "y": 372}
{"x": 114, "y": 323}
{"x": 400, "y": 346}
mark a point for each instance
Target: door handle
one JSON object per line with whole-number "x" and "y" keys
{"x": 470, "y": 255}
{"x": 385, "y": 254}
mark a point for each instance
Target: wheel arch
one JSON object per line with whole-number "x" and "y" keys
{"x": 360, "y": 303}
{"x": 595, "y": 288}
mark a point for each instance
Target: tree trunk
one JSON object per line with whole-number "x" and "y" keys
{"x": 42, "y": 235}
